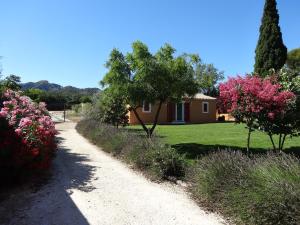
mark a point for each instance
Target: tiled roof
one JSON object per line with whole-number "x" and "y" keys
{"x": 202, "y": 96}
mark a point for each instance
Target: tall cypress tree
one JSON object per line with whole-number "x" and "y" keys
{"x": 271, "y": 52}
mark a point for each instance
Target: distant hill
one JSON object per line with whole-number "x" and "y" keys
{"x": 52, "y": 87}
{"x": 42, "y": 85}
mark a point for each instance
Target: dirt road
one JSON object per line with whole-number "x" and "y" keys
{"x": 90, "y": 187}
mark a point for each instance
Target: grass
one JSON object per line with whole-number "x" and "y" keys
{"x": 255, "y": 189}
{"x": 196, "y": 139}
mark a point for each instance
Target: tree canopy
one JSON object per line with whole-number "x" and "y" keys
{"x": 156, "y": 78}
{"x": 271, "y": 53}
{"x": 261, "y": 103}
{"x": 293, "y": 60}
{"x": 113, "y": 108}
{"x": 11, "y": 82}
{"x": 207, "y": 77}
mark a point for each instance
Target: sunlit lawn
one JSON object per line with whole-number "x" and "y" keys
{"x": 196, "y": 139}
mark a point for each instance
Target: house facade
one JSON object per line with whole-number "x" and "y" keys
{"x": 199, "y": 109}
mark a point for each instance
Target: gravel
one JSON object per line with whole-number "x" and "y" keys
{"x": 88, "y": 186}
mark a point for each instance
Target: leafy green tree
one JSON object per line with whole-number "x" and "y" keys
{"x": 155, "y": 78}
{"x": 207, "y": 77}
{"x": 11, "y": 82}
{"x": 293, "y": 60}
{"x": 1, "y": 85}
{"x": 289, "y": 123}
{"x": 85, "y": 99}
{"x": 34, "y": 94}
{"x": 271, "y": 53}
{"x": 113, "y": 108}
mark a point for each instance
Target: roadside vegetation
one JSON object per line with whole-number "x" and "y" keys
{"x": 257, "y": 186}
{"x": 157, "y": 160}
{"x": 250, "y": 189}
{"x": 27, "y": 136}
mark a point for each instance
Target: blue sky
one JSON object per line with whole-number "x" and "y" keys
{"x": 68, "y": 41}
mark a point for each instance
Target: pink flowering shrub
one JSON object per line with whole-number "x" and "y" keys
{"x": 251, "y": 96}
{"x": 27, "y": 133}
{"x": 256, "y": 101}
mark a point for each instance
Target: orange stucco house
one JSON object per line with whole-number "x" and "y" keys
{"x": 199, "y": 109}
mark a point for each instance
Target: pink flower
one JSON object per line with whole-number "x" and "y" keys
{"x": 251, "y": 96}
{"x": 271, "y": 115}
{"x": 35, "y": 151}
{"x": 3, "y": 113}
{"x": 18, "y": 131}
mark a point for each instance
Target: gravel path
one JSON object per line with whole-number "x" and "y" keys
{"x": 90, "y": 187}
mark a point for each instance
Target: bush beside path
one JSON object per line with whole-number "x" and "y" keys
{"x": 88, "y": 186}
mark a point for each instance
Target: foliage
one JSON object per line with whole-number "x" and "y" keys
{"x": 11, "y": 82}
{"x": 257, "y": 102}
{"x": 113, "y": 108}
{"x": 85, "y": 99}
{"x": 95, "y": 112}
{"x": 271, "y": 52}
{"x": 207, "y": 77}
{"x": 34, "y": 94}
{"x": 27, "y": 133}
{"x": 254, "y": 190}
{"x": 288, "y": 123}
{"x": 57, "y": 100}
{"x": 57, "y": 97}
{"x": 293, "y": 60}
{"x": 155, "y": 78}
{"x": 149, "y": 155}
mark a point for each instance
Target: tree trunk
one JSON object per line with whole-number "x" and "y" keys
{"x": 248, "y": 139}
{"x": 156, "y": 118}
{"x": 282, "y": 143}
{"x": 279, "y": 142}
{"x": 271, "y": 138}
{"x": 141, "y": 122}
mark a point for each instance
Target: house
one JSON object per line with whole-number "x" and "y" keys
{"x": 199, "y": 109}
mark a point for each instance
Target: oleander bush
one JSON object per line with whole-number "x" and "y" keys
{"x": 149, "y": 155}
{"x": 262, "y": 189}
{"x": 27, "y": 134}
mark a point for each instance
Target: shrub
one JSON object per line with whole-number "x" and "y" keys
{"x": 254, "y": 190}
{"x": 260, "y": 104}
{"x": 274, "y": 194}
{"x": 158, "y": 160}
{"x": 27, "y": 133}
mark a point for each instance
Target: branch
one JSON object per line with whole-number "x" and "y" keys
{"x": 140, "y": 120}
{"x": 156, "y": 117}
{"x": 283, "y": 140}
{"x": 271, "y": 138}
{"x": 279, "y": 142}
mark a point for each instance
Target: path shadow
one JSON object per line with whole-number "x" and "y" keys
{"x": 79, "y": 172}
{"x": 52, "y": 203}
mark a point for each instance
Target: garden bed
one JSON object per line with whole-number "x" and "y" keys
{"x": 250, "y": 189}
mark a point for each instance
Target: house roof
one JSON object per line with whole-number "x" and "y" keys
{"x": 202, "y": 96}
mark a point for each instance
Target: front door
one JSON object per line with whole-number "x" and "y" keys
{"x": 179, "y": 112}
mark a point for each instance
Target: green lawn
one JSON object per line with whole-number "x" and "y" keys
{"x": 200, "y": 138}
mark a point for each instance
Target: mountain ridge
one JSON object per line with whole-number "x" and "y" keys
{"x": 45, "y": 85}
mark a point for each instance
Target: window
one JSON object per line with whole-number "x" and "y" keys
{"x": 146, "y": 107}
{"x": 205, "y": 107}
